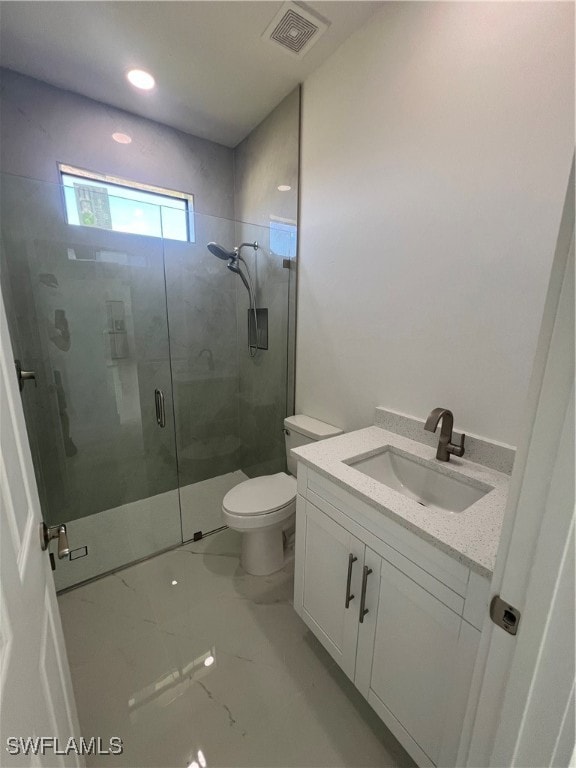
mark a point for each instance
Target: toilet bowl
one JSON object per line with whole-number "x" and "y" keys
{"x": 263, "y": 507}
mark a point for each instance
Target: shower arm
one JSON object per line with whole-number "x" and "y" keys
{"x": 253, "y": 245}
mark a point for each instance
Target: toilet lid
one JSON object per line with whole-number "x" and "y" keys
{"x": 260, "y": 495}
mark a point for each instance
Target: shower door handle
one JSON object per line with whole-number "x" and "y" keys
{"x": 160, "y": 408}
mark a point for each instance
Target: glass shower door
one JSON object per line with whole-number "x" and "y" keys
{"x": 229, "y": 405}
{"x": 202, "y": 308}
{"x": 87, "y": 309}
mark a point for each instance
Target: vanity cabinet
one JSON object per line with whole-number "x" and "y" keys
{"x": 411, "y": 650}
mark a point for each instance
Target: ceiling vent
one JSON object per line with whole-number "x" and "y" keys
{"x": 295, "y": 29}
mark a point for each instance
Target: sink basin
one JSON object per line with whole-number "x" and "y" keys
{"x": 422, "y": 482}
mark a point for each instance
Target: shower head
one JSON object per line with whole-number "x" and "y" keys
{"x": 233, "y": 258}
{"x": 220, "y": 252}
{"x": 223, "y": 254}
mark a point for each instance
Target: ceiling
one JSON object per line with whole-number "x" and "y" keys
{"x": 216, "y": 77}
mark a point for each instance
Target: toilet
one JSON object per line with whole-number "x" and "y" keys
{"x": 262, "y": 508}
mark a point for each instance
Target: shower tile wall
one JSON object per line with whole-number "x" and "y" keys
{"x": 265, "y": 160}
{"x": 43, "y": 125}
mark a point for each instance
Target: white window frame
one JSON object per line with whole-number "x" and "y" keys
{"x": 65, "y": 169}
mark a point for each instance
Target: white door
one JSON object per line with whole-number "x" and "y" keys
{"x": 333, "y": 563}
{"x": 523, "y": 711}
{"x": 35, "y": 687}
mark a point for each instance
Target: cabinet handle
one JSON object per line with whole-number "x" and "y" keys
{"x": 351, "y": 560}
{"x": 363, "y": 610}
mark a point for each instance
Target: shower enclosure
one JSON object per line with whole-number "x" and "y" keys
{"x": 146, "y": 406}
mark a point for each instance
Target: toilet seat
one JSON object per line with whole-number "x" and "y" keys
{"x": 261, "y": 496}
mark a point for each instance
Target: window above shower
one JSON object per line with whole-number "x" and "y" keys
{"x": 119, "y": 205}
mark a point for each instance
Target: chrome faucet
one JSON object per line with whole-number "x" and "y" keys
{"x": 445, "y": 444}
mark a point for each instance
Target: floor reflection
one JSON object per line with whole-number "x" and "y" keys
{"x": 191, "y": 661}
{"x": 164, "y": 690}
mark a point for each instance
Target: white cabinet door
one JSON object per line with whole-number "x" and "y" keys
{"x": 411, "y": 674}
{"x": 333, "y": 561}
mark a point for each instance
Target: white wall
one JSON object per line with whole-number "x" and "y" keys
{"x": 436, "y": 149}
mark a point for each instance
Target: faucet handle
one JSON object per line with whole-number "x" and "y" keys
{"x": 457, "y": 450}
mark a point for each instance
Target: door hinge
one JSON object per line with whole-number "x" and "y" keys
{"x": 24, "y": 376}
{"x": 504, "y": 615}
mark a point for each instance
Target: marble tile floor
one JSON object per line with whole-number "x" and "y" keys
{"x": 192, "y": 662}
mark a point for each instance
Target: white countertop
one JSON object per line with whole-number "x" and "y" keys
{"x": 471, "y": 536}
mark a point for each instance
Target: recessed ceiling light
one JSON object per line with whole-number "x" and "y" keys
{"x": 122, "y": 138}
{"x": 284, "y": 188}
{"x": 174, "y": 582}
{"x": 141, "y": 79}
{"x": 208, "y": 661}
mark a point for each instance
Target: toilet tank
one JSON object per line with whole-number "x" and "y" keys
{"x": 301, "y": 430}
